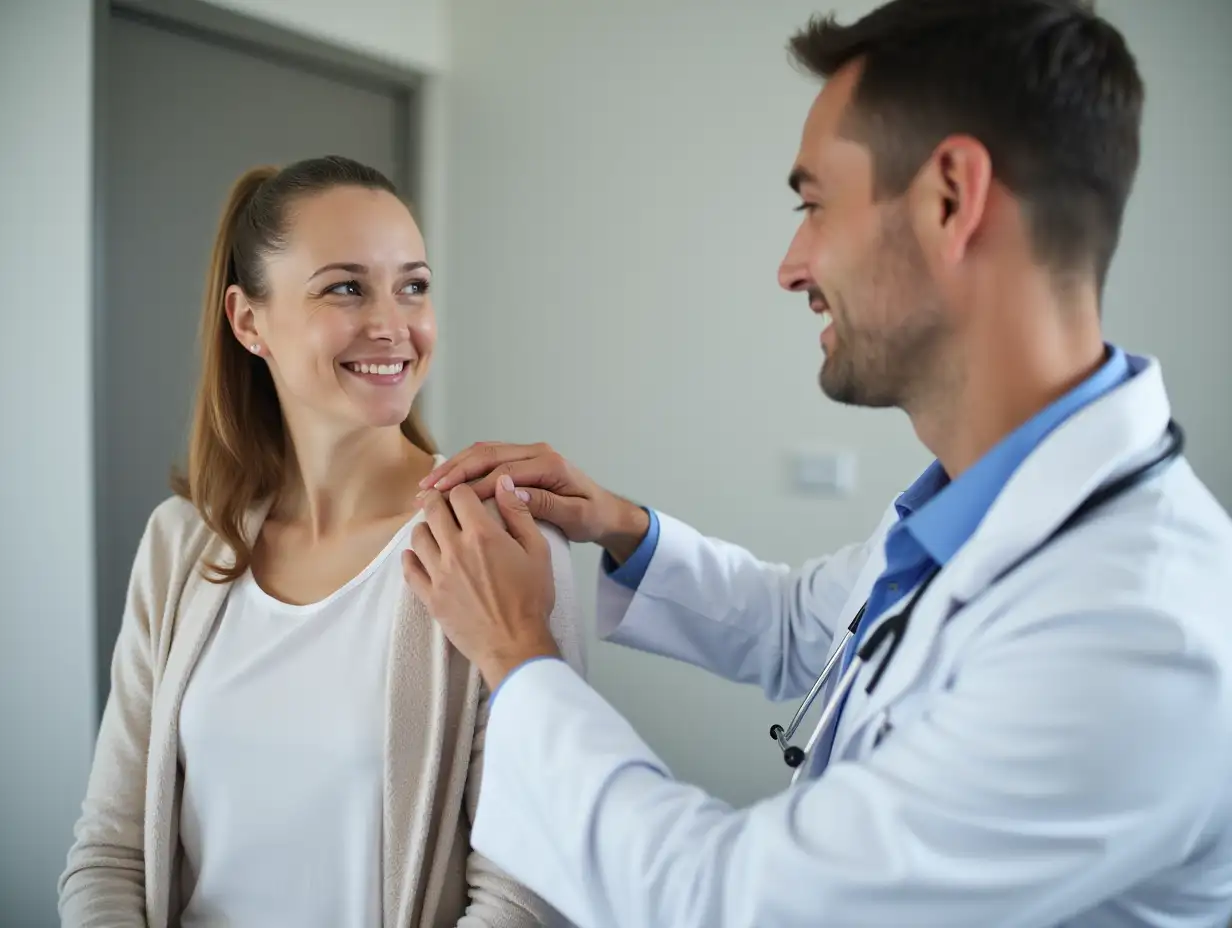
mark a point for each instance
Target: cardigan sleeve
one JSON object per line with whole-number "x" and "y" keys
{"x": 497, "y": 901}
{"x": 104, "y": 880}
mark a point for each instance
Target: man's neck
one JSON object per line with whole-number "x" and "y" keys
{"x": 1007, "y": 367}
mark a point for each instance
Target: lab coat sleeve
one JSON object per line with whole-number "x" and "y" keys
{"x": 716, "y": 606}
{"x": 1045, "y": 779}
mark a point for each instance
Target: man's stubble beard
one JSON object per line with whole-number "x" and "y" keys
{"x": 892, "y": 366}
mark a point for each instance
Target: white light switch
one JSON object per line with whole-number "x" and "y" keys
{"x": 824, "y": 473}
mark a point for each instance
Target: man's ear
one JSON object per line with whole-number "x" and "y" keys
{"x": 950, "y": 195}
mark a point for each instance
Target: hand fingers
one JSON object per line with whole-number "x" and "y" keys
{"x": 565, "y": 512}
{"x": 476, "y": 461}
{"x": 416, "y": 575}
{"x": 518, "y": 519}
{"x": 425, "y": 548}
{"x": 439, "y": 517}
{"x": 470, "y": 512}
{"x": 546, "y": 471}
{"x": 473, "y": 453}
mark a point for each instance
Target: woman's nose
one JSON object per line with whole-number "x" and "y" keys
{"x": 388, "y": 322}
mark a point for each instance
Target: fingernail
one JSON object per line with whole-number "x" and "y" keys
{"x": 522, "y": 495}
{"x": 506, "y": 482}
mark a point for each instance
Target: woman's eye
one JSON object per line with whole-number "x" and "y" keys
{"x": 806, "y": 208}
{"x": 346, "y": 288}
{"x": 416, "y": 287}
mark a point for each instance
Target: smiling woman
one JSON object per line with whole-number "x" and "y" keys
{"x": 289, "y": 739}
{"x": 287, "y": 273}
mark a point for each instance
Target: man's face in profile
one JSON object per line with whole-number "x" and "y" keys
{"x": 857, "y": 259}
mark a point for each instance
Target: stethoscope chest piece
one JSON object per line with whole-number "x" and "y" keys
{"x": 792, "y": 755}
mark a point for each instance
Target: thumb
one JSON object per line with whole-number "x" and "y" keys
{"x": 515, "y": 507}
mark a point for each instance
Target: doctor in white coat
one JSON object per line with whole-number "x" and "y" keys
{"x": 1032, "y": 724}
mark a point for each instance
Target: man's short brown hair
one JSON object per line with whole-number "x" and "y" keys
{"x": 1048, "y": 87}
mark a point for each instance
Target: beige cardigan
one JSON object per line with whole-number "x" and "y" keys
{"x": 124, "y": 863}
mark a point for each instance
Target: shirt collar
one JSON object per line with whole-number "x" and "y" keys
{"x": 942, "y": 514}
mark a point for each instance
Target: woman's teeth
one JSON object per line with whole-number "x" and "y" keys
{"x": 395, "y": 368}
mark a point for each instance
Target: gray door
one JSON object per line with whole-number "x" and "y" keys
{"x": 184, "y": 114}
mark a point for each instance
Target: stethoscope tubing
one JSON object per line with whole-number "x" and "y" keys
{"x": 829, "y": 711}
{"x": 783, "y": 736}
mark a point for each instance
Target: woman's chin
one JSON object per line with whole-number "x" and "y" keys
{"x": 380, "y": 411}
{"x": 381, "y": 419}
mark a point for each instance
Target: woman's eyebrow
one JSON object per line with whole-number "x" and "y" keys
{"x": 363, "y": 269}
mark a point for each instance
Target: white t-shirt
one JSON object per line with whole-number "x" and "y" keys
{"x": 282, "y": 742}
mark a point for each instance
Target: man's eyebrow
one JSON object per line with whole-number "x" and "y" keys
{"x": 799, "y": 177}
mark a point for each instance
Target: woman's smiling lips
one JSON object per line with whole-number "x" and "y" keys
{"x": 382, "y": 372}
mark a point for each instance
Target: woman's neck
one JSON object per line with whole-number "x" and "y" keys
{"x": 337, "y": 481}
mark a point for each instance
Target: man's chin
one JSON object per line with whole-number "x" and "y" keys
{"x": 841, "y": 385}
{"x": 838, "y": 393}
{"x": 836, "y": 384}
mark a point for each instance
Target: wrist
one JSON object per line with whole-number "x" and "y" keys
{"x": 498, "y": 666}
{"x": 626, "y": 531}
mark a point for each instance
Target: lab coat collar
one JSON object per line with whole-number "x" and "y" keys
{"x": 1091, "y": 448}
{"x": 1104, "y": 439}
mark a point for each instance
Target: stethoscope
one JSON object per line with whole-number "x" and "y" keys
{"x": 894, "y": 627}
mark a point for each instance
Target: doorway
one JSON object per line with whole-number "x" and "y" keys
{"x": 188, "y": 102}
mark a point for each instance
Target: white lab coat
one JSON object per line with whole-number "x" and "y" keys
{"x": 1059, "y": 750}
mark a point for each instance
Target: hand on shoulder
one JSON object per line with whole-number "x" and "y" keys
{"x": 553, "y": 490}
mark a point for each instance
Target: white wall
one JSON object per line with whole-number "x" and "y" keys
{"x": 618, "y": 208}
{"x": 1170, "y": 292}
{"x": 412, "y": 33}
{"x": 46, "y": 507}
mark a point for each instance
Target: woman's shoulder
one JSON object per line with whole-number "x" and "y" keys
{"x": 565, "y": 619}
{"x": 174, "y": 518}
{"x": 176, "y": 537}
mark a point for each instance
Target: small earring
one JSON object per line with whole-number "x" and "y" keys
{"x": 254, "y": 348}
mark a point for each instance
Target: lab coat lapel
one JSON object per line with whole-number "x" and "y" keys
{"x": 903, "y": 670}
{"x": 868, "y": 575}
{"x": 1091, "y": 448}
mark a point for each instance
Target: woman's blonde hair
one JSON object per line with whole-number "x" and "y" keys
{"x": 237, "y": 450}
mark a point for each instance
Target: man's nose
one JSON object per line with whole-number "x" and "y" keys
{"x": 793, "y": 272}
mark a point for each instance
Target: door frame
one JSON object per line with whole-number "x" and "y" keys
{"x": 419, "y": 165}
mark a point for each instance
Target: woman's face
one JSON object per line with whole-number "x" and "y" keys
{"x": 348, "y": 329}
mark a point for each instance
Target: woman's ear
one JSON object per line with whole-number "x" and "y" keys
{"x": 950, "y": 195}
{"x": 242, "y": 317}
